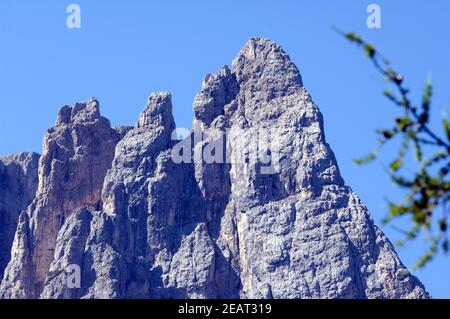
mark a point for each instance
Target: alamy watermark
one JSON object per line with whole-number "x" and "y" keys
{"x": 74, "y": 19}
{"x": 374, "y": 19}
{"x": 246, "y": 147}
{"x": 70, "y": 278}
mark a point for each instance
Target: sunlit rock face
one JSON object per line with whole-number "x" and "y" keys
{"x": 77, "y": 152}
{"x": 250, "y": 204}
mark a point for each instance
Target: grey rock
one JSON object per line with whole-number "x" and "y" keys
{"x": 71, "y": 240}
{"x": 18, "y": 185}
{"x": 77, "y": 152}
{"x": 151, "y": 226}
{"x": 17, "y": 279}
{"x": 250, "y": 205}
{"x": 218, "y": 90}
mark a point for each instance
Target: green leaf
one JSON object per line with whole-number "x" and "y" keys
{"x": 417, "y": 150}
{"x": 387, "y": 134}
{"x": 396, "y": 165}
{"x": 400, "y": 243}
{"x": 397, "y": 210}
{"x": 401, "y": 181}
{"x": 446, "y": 124}
{"x": 366, "y": 159}
{"x": 403, "y": 123}
{"x": 370, "y": 50}
{"x": 426, "y": 99}
{"x": 429, "y": 254}
{"x": 390, "y": 73}
{"x": 354, "y": 38}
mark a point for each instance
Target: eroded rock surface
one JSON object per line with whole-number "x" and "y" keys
{"x": 251, "y": 204}
{"x": 18, "y": 185}
{"x": 77, "y": 152}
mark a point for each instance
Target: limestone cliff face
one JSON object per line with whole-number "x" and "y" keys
{"x": 250, "y": 204}
{"x": 18, "y": 185}
{"x": 77, "y": 153}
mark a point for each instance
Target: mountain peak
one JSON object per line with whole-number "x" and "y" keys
{"x": 265, "y": 66}
{"x": 79, "y": 112}
{"x": 259, "y": 211}
{"x": 158, "y": 111}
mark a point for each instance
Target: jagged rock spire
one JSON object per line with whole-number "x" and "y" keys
{"x": 77, "y": 152}
{"x": 158, "y": 112}
{"x": 263, "y": 67}
{"x": 274, "y": 220}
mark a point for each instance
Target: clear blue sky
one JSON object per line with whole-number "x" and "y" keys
{"x": 127, "y": 49}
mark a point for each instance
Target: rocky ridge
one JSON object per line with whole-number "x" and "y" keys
{"x": 251, "y": 204}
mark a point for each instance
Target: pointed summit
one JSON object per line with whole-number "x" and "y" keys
{"x": 263, "y": 65}
{"x": 271, "y": 219}
{"x": 257, "y": 47}
{"x": 81, "y": 112}
{"x": 218, "y": 90}
{"x": 77, "y": 152}
{"x": 158, "y": 111}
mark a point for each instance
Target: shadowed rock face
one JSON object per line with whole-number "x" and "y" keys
{"x": 18, "y": 184}
{"x": 269, "y": 217}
